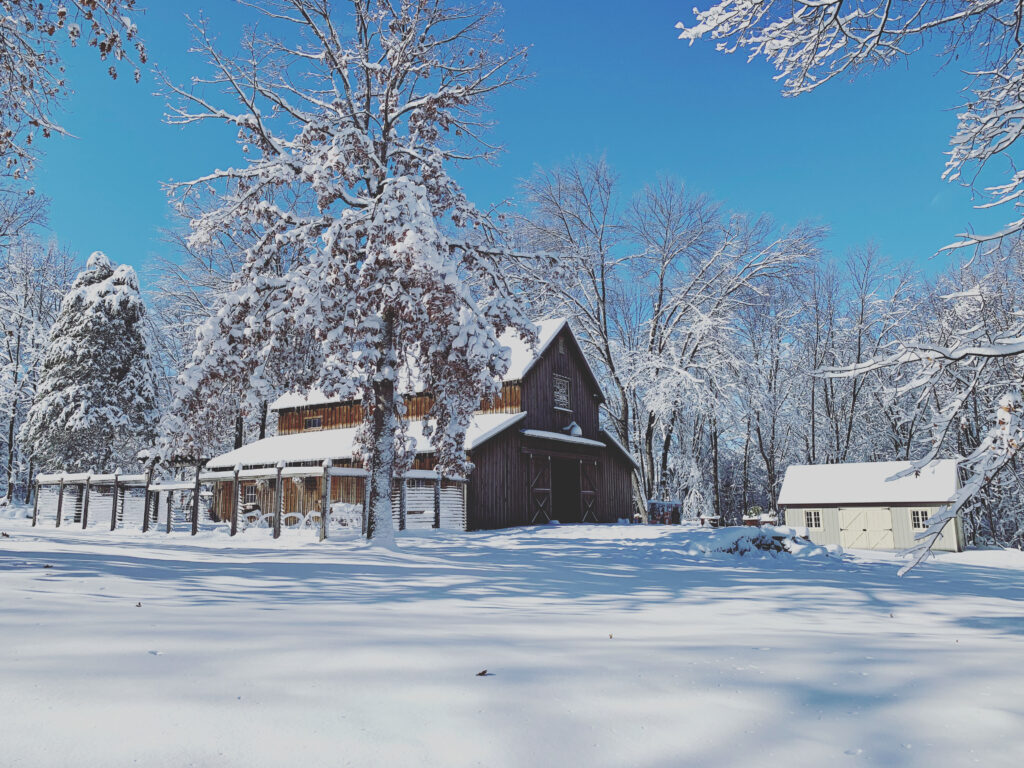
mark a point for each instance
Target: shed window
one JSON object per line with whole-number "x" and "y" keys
{"x": 313, "y": 422}
{"x": 812, "y": 518}
{"x": 562, "y": 395}
{"x": 249, "y": 493}
{"x": 919, "y": 518}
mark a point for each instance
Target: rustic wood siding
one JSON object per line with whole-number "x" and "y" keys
{"x": 496, "y": 492}
{"x": 538, "y": 390}
{"x": 616, "y": 484}
{"x": 350, "y": 414}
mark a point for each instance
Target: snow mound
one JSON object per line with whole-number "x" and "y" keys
{"x": 13, "y": 511}
{"x": 763, "y": 541}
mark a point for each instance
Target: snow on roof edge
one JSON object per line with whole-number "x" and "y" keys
{"x": 615, "y": 441}
{"x": 868, "y": 483}
{"x": 328, "y": 444}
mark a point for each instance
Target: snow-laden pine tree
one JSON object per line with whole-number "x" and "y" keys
{"x": 365, "y": 270}
{"x": 94, "y": 405}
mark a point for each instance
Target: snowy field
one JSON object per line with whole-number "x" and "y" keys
{"x": 605, "y": 646}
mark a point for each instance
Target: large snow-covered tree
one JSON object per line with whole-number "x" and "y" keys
{"x": 365, "y": 271}
{"x": 94, "y": 402}
{"x": 32, "y": 73}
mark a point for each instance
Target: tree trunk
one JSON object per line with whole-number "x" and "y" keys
{"x": 263, "y": 419}
{"x": 239, "y": 431}
{"x": 714, "y": 467}
{"x": 384, "y": 423}
{"x": 29, "y": 485}
{"x": 10, "y": 451}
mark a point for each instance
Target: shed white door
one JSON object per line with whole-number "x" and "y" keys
{"x": 866, "y": 528}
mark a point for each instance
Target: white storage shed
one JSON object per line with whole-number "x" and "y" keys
{"x": 861, "y": 506}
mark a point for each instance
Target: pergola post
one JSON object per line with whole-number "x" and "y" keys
{"x": 325, "y": 508}
{"x": 437, "y": 500}
{"x": 279, "y": 501}
{"x": 366, "y": 504}
{"x": 60, "y": 500}
{"x": 35, "y": 506}
{"x": 85, "y": 503}
{"x": 403, "y": 506}
{"x": 113, "y": 506}
{"x": 145, "y": 498}
{"x": 195, "y": 498}
{"x": 170, "y": 504}
{"x": 234, "y": 500}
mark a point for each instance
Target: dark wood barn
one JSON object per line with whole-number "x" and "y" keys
{"x": 538, "y": 449}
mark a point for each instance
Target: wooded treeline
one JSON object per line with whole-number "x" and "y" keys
{"x": 731, "y": 348}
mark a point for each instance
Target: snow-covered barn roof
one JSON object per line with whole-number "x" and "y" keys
{"x": 868, "y": 483}
{"x": 522, "y": 359}
{"x": 340, "y": 443}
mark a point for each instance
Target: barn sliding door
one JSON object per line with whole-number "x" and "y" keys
{"x": 866, "y": 528}
{"x": 540, "y": 489}
{"x": 588, "y": 491}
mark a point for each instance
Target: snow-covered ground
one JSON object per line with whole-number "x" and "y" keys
{"x": 604, "y": 646}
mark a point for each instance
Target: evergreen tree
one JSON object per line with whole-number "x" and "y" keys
{"x": 95, "y": 403}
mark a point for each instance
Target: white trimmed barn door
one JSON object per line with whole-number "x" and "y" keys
{"x": 866, "y": 528}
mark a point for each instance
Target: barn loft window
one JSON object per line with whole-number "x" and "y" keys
{"x": 561, "y": 345}
{"x": 812, "y": 518}
{"x": 313, "y": 422}
{"x": 919, "y": 518}
{"x": 562, "y": 399}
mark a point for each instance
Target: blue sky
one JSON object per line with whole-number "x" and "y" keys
{"x": 611, "y": 78}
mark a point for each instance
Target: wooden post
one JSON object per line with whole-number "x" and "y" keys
{"x": 437, "y": 501}
{"x": 145, "y": 498}
{"x": 85, "y": 503}
{"x": 113, "y": 506}
{"x": 279, "y": 501}
{"x": 403, "y": 505}
{"x": 170, "y": 503}
{"x": 60, "y": 500}
{"x": 325, "y": 507}
{"x": 195, "y": 499}
{"x": 35, "y": 506}
{"x": 366, "y": 503}
{"x": 234, "y": 501}
{"x": 120, "y": 504}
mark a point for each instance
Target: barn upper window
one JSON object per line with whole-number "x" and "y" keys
{"x": 313, "y": 422}
{"x": 561, "y": 345}
{"x": 562, "y": 393}
{"x": 919, "y": 518}
{"x": 812, "y": 518}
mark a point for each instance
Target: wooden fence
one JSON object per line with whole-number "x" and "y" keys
{"x": 420, "y": 499}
